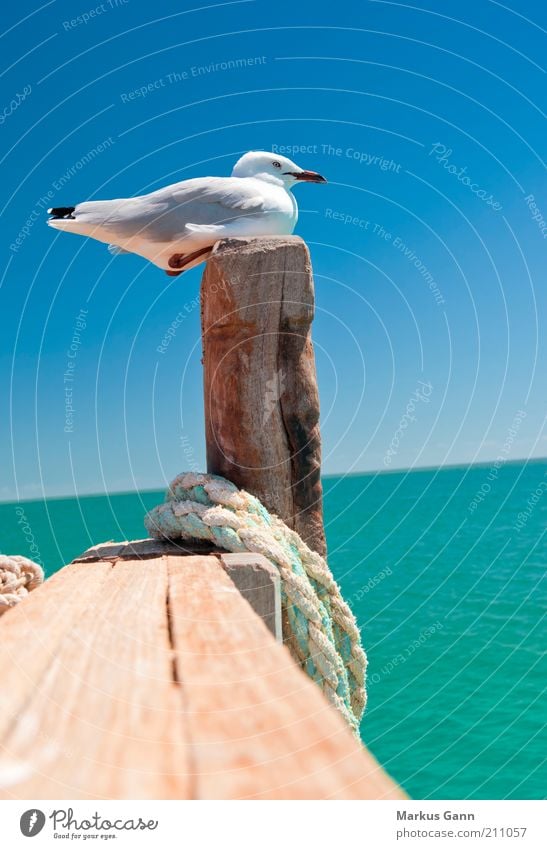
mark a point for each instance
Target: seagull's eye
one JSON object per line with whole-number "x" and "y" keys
{"x": 276, "y": 164}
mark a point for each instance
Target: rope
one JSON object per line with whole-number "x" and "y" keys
{"x": 319, "y": 627}
{"x": 18, "y": 576}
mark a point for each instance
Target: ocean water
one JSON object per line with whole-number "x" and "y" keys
{"x": 445, "y": 572}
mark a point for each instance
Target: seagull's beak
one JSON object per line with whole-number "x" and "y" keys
{"x": 307, "y": 176}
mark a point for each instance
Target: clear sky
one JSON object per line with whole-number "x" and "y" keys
{"x": 428, "y": 243}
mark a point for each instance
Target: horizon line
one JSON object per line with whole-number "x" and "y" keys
{"x": 399, "y": 470}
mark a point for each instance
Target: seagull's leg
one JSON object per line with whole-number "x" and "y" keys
{"x": 180, "y": 261}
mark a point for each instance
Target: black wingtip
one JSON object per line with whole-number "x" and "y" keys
{"x": 62, "y": 211}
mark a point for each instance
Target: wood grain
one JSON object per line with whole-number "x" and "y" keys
{"x": 261, "y": 399}
{"x": 32, "y": 632}
{"x": 105, "y": 720}
{"x": 259, "y": 728}
{"x": 156, "y": 679}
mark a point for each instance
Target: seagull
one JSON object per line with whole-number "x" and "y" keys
{"x": 176, "y": 227}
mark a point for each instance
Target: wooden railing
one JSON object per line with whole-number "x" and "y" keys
{"x": 141, "y": 671}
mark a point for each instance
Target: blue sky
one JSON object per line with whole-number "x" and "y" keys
{"x": 428, "y": 249}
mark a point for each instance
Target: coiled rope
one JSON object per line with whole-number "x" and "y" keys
{"x": 320, "y": 629}
{"x": 18, "y": 576}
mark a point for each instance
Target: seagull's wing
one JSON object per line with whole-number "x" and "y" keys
{"x": 204, "y": 203}
{"x": 176, "y": 211}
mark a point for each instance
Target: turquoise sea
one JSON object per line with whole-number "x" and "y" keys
{"x": 445, "y": 571}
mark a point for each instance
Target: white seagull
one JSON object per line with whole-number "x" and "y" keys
{"x": 177, "y": 226}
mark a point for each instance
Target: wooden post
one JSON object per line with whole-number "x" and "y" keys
{"x": 261, "y": 398}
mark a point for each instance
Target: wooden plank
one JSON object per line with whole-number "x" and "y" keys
{"x": 259, "y": 727}
{"x": 32, "y": 631}
{"x": 261, "y": 398}
{"x": 155, "y": 679}
{"x": 106, "y": 720}
{"x": 259, "y": 583}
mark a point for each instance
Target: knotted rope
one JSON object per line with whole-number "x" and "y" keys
{"x": 320, "y": 629}
{"x": 18, "y": 576}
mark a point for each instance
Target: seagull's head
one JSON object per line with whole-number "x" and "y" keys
{"x": 274, "y": 169}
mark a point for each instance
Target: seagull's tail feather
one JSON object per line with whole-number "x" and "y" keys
{"x": 62, "y": 218}
{"x": 62, "y": 211}
{"x": 96, "y": 218}
{"x": 85, "y": 219}
{"x": 71, "y": 225}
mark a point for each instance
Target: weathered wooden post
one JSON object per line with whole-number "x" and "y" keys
{"x": 261, "y": 398}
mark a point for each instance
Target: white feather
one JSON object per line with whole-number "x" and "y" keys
{"x": 193, "y": 214}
